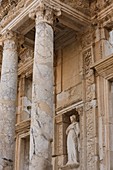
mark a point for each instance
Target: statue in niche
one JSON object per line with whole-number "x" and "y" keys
{"x": 73, "y": 143}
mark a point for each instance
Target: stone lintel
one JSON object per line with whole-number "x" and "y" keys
{"x": 69, "y": 108}
{"x": 67, "y": 11}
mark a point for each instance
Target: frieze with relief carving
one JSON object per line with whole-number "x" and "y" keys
{"x": 10, "y": 9}
{"x": 90, "y": 107}
{"x": 6, "y": 6}
{"x": 82, "y": 5}
{"x": 97, "y": 6}
{"x": 86, "y": 39}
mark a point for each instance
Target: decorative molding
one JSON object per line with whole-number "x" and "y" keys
{"x": 104, "y": 67}
{"x": 68, "y": 109}
{"x": 22, "y": 15}
{"x": 87, "y": 59}
{"x": 23, "y": 126}
{"x": 104, "y": 17}
{"x": 90, "y": 107}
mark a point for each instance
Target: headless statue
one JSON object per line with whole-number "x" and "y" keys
{"x": 73, "y": 143}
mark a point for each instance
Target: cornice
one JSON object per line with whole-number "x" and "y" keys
{"x": 21, "y": 17}
{"x": 69, "y": 108}
{"x": 105, "y": 16}
{"x": 66, "y": 10}
{"x": 102, "y": 14}
{"x": 104, "y": 67}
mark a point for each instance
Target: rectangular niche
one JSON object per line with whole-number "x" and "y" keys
{"x": 23, "y": 152}
{"x": 62, "y": 121}
{"x": 27, "y": 99}
{"x": 24, "y": 97}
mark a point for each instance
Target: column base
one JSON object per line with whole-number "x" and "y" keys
{"x": 70, "y": 167}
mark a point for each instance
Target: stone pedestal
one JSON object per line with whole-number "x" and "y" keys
{"x": 8, "y": 93}
{"x": 70, "y": 167}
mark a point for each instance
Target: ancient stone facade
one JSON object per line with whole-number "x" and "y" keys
{"x": 56, "y": 61}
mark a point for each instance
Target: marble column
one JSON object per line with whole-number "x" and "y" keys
{"x": 8, "y": 91}
{"x": 41, "y": 133}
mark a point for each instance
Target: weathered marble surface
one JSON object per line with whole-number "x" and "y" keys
{"x": 8, "y": 91}
{"x": 41, "y": 133}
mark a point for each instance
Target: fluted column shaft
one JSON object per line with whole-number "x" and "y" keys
{"x": 8, "y": 92}
{"x": 41, "y": 133}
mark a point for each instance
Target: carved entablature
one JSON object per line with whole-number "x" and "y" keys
{"x": 81, "y": 5}
{"x": 17, "y": 19}
{"x": 10, "y": 9}
{"x": 104, "y": 67}
{"x": 6, "y": 6}
{"x": 104, "y": 18}
{"x": 98, "y": 5}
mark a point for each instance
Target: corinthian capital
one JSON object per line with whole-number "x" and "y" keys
{"x": 44, "y": 13}
{"x": 9, "y": 35}
{"x": 11, "y": 40}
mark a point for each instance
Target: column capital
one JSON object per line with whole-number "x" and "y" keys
{"x": 8, "y": 35}
{"x": 13, "y": 36}
{"x": 44, "y": 13}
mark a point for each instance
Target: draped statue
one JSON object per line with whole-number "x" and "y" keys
{"x": 73, "y": 143}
